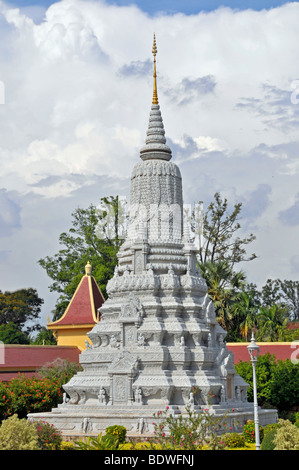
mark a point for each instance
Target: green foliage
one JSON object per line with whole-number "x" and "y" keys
{"x": 264, "y": 372}
{"x": 233, "y": 440}
{"x": 100, "y": 442}
{"x": 10, "y": 333}
{"x": 284, "y": 387}
{"x": 269, "y": 434}
{"x": 60, "y": 370}
{"x": 20, "y": 307}
{"x": 66, "y": 445}
{"x": 219, "y": 234}
{"x": 18, "y": 434}
{"x": 286, "y": 293}
{"x": 23, "y": 395}
{"x": 249, "y": 432}
{"x": 32, "y": 395}
{"x": 268, "y": 441}
{"x": 187, "y": 433}
{"x": 126, "y": 446}
{"x": 117, "y": 431}
{"x": 272, "y": 323}
{"x": 44, "y": 337}
{"x": 95, "y": 237}
{"x": 48, "y": 437}
{"x": 277, "y": 382}
{"x": 223, "y": 284}
{"x": 5, "y": 400}
{"x": 287, "y": 436}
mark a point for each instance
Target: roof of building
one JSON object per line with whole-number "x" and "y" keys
{"x": 83, "y": 307}
{"x": 27, "y": 359}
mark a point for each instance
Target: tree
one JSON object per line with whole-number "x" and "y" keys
{"x": 272, "y": 323}
{"x": 21, "y": 307}
{"x": 43, "y": 337}
{"x": 244, "y": 315}
{"x": 95, "y": 236}
{"x": 223, "y": 288}
{"x": 218, "y": 229}
{"x": 284, "y": 292}
{"x": 10, "y": 333}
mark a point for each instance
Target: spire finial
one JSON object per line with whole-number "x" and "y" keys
{"x": 154, "y": 51}
{"x": 88, "y": 269}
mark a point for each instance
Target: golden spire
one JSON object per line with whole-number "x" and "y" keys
{"x": 88, "y": 269}
{"x": 154, "y": 51}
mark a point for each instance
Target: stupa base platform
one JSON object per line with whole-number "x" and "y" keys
{"x": 74, "y": 423}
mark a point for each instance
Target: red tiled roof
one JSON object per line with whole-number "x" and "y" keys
{"x": 281, "y": 351}
{"x": 15, "y": 358}
{"x": 82, "y": 309}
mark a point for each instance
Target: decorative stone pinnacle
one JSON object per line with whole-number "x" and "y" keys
{"x": 155, "y": 93}
{"x": 155, "y": 145}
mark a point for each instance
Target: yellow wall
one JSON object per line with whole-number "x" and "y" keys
{"x": 72, "y": 336}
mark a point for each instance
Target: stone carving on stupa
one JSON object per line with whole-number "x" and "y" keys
{"x": 158, "y": 342}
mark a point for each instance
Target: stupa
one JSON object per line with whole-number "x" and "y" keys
{"x": 158, "y": 342}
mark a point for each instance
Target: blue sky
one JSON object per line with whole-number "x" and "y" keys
{"x": 75, "y": 93}
{"x": 185, "y": 6}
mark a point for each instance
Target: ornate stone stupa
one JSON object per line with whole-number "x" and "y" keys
{"x": 158, "y": 342}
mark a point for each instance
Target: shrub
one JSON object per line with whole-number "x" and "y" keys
{"x": 100, "y": 442}
{"x": 66, "y": 445}
{"x": 284, "y": 387}
{"x": 126, "y": 446}
{"x": 249, "y": 432}
{"x": 18, "y": 434}
{"x": 277, "y": 381}
{"x": 33, "y": 395}
{"x": 287, "y": 436}
{"x": 60, "y": 370}
{"x": 187, "y": 432}
{"x": 5, "y": 401}
{"x": 233, "y": 440}
{"x": 268, "y": 441}
{"x": 142, "y": 446}
{"x": 117, "y": 431}
{"x": 48, "y": 437}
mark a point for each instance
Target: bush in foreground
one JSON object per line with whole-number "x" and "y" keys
{"x": 287, "y": 436}
{"x": 48, "y": 437}
{"x": 233, "y": 440}
{"x": 249, "y": 432}
{"x": 18, "y": 434}
{"x": 117, "y": 431}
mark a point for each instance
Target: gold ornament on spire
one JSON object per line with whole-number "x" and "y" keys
{"x": 88, "y": 269}
{"x": 155, "y": 93}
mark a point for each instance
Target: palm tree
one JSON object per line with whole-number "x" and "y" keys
{"x": 272, "y": 323}
{"x": 223, "y": 285}
{"x": 245, "y": 314}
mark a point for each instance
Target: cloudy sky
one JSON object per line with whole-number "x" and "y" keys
{"x": 75, "y": 95}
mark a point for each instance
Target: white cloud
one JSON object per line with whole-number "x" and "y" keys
{"x": 77, "y": 97}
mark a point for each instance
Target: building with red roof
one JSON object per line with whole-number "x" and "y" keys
{"x": 28, "y": 359}
{"x": 81, "y": 314}
{"x": 281, "y": 350}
